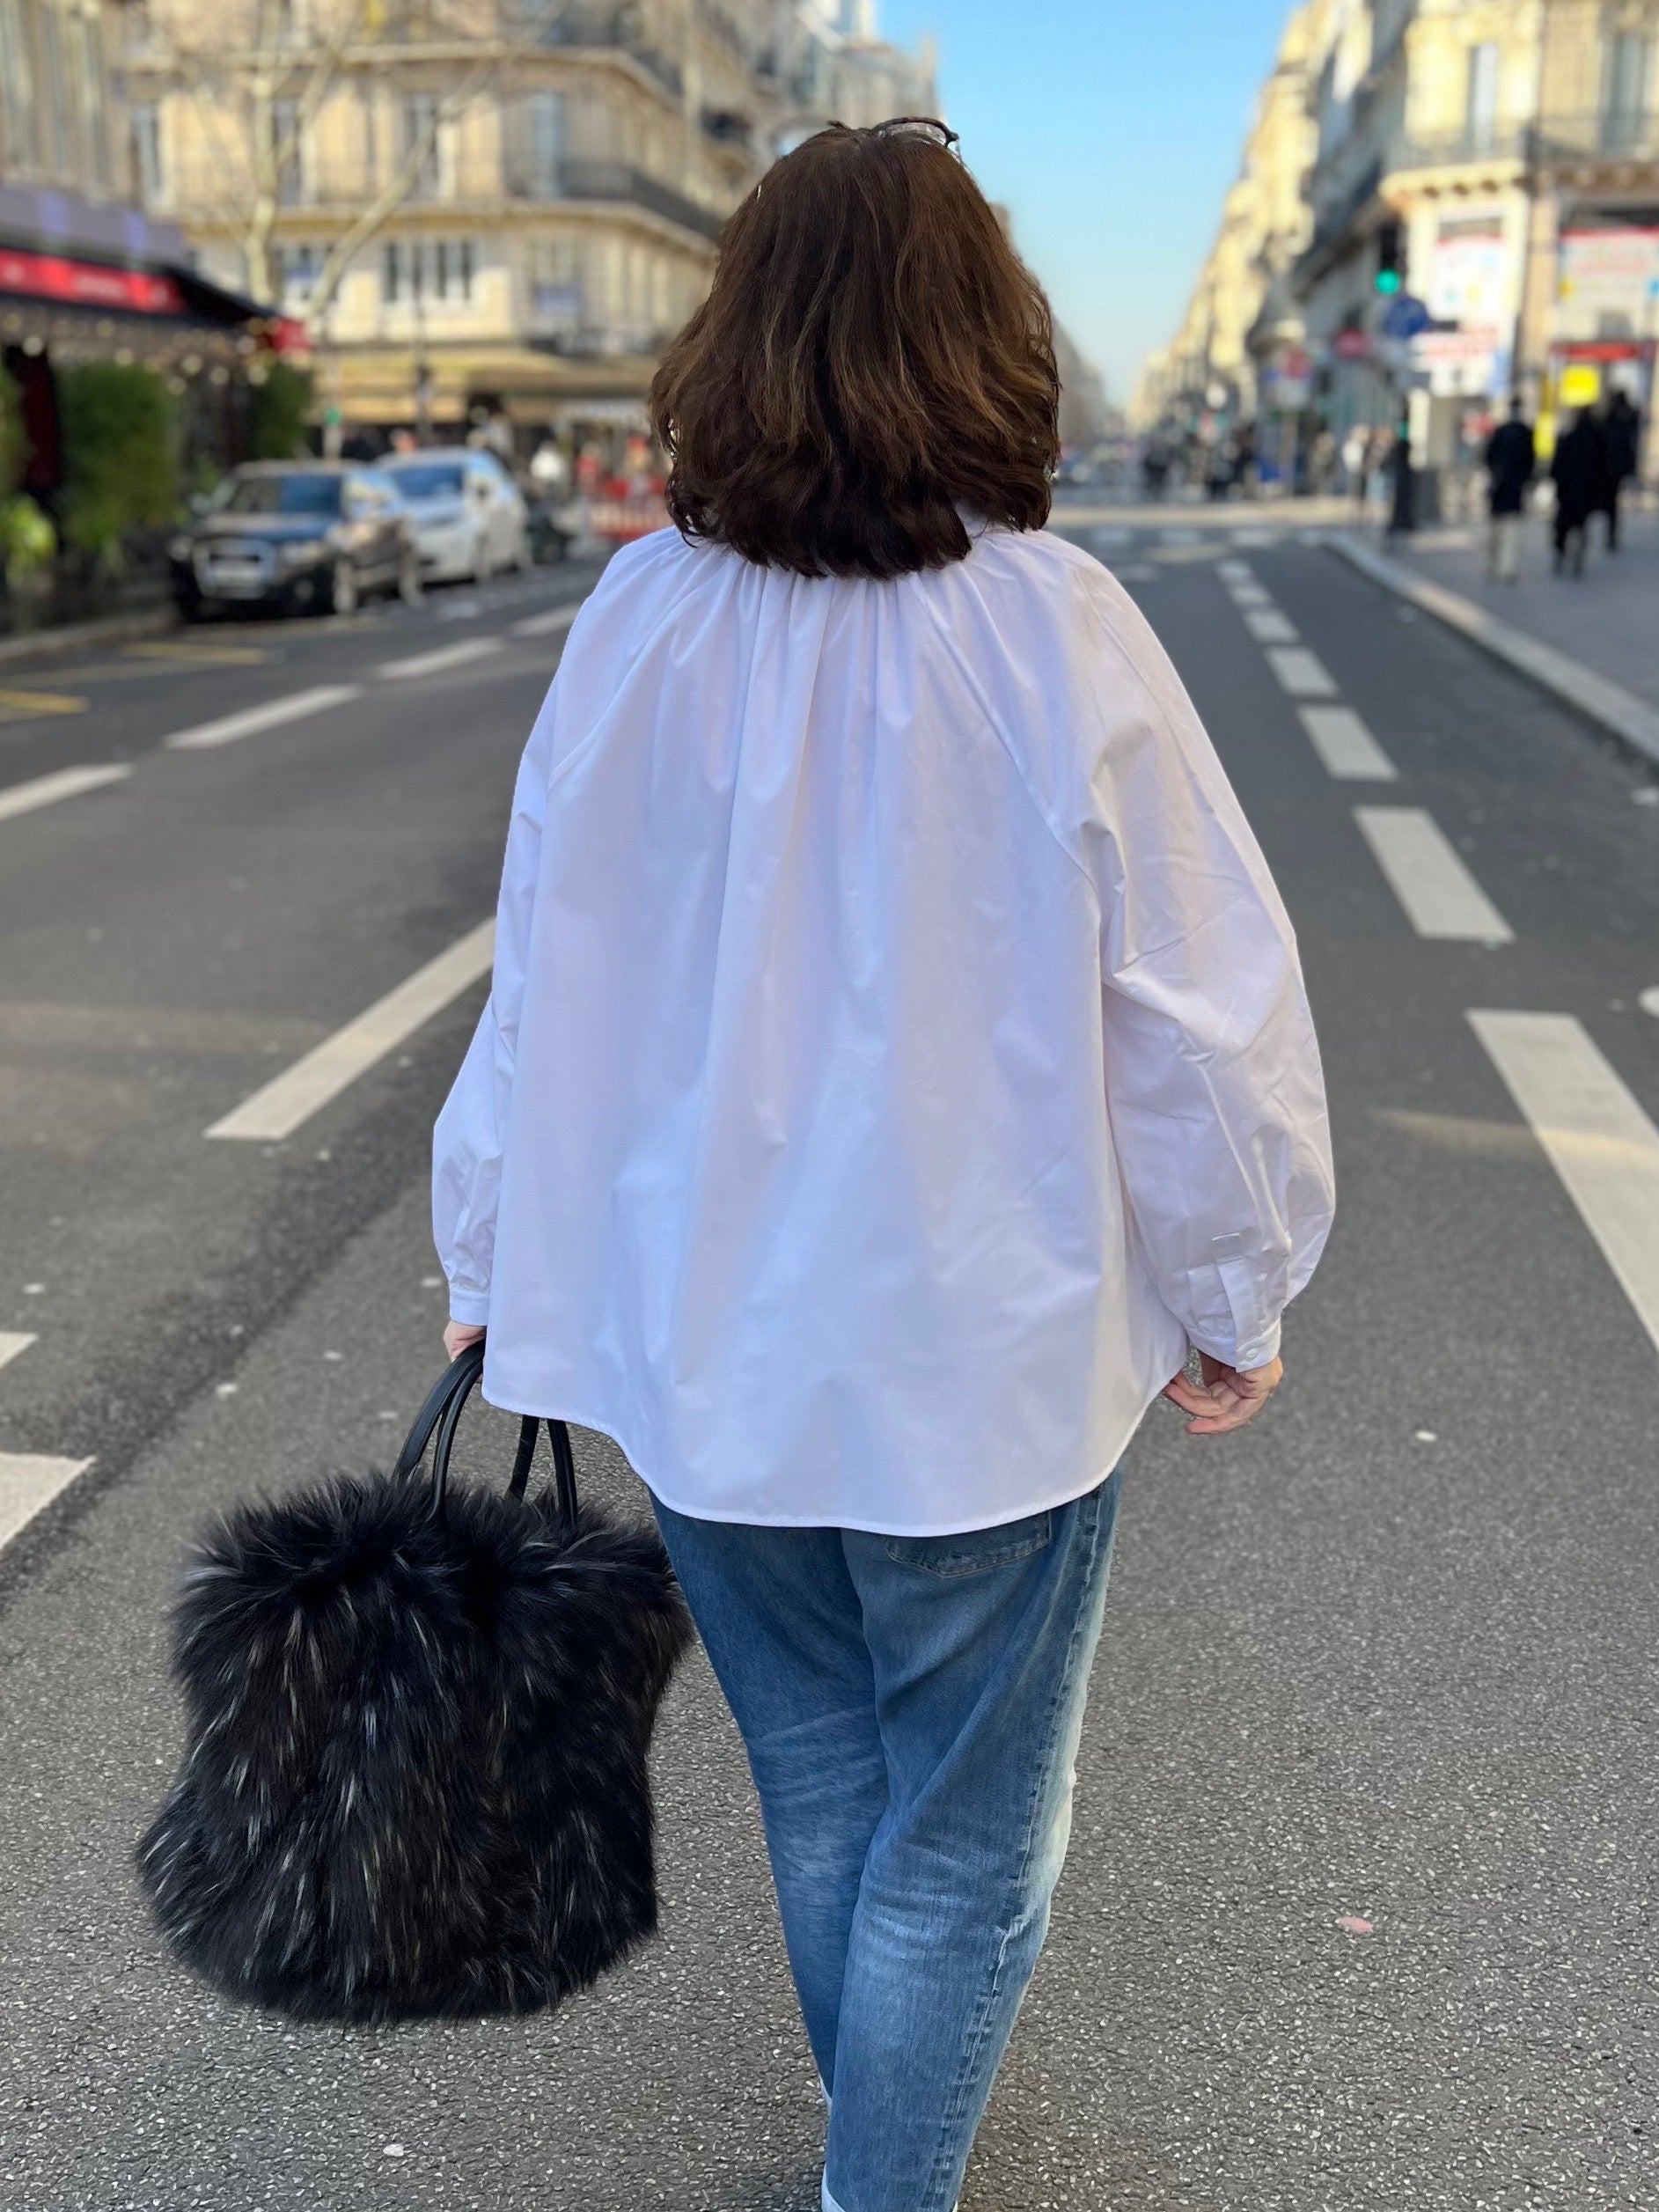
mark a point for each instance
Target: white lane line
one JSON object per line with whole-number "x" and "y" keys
{"x": 1235, "y": 572}
{"x": 548, "y": 625}
{"x": 250, "y": 720}
{"x": 1303, "y": 674}
{"x": 1243, "y": 595}
{"x": 1181, "y": 537}
{"x": 1268, "y": 627}
{"x": 1598, "y": 1139}
{"x": 46, "y": 790}
{"x": 441, "y": 658}
{"x": 29, "y": 1481}
{"x": 1257, "y": 537}
{"x": 11, "y": 1342}
{"x": 1440, "y": 896}
{"x": 277, "y": 1110}
{"x": 1137, "y": 572}
{"x": 1348, "y": 748}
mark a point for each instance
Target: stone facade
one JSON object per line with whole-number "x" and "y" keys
{"x": 505, "y": 202}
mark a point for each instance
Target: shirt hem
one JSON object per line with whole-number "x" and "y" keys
{"x": 1007, "y": 1510}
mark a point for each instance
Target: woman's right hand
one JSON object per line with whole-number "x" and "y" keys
{"x": 458, "y": 1336}
{"x": 1227, "y": 1397}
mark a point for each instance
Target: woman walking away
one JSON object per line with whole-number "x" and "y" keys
{"x": 1579, "y": 467}
{"x": 896, "y": 1060}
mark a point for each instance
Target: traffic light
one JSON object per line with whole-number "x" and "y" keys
{"x": 1390, "y": 259}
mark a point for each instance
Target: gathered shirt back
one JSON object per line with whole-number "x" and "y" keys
{"x": 897, "y": 1054}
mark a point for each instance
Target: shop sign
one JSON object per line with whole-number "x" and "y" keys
{"x": 1608, "y": 277}
{"x": 131, "y": 291}
{"x": 1470, "y": 276}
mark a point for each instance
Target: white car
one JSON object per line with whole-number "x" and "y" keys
{"x": 469, "y": 517}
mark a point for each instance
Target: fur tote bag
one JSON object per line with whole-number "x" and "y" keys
{"x": 415, "y": 1778}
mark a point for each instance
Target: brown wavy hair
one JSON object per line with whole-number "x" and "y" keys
{"x": 872, "y": 353}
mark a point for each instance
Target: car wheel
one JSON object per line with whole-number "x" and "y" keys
{"x": 342, "y": 589}
{"x": 410, "y": 589}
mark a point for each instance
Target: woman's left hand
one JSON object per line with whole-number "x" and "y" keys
{"x": 458, "y": 1335}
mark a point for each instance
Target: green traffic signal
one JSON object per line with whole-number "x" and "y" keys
{"x": 1388, "y": 280}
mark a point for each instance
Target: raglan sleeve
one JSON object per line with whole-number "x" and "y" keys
{"x": 1215, "y": 1095}
{"x": 470, "y": 1137}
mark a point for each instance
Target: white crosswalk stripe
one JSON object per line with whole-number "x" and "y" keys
{"x": 442, "y": 657}
{"x": 249, "y": 721}
{"x": 278, "y": 1108}
{"x": 28, "y": 1481}
{"x": 1268, "y": 627}
{"x": 46, "y": 790}
{"x": 1595, "y": 1135}
{"x": 1302, "y": 674}
{"x": 11, "y": 1342}
{"x": 1346, "y": 745}
{"x": 1428, "y": 877}
{"x": 550, "y": 624}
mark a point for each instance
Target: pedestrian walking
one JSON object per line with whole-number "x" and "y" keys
{"x": 1511, "y": 459}
{"x": 1402, "y": 483}
{"x": 1356, "y": 463}
{"x": 1579, "y": 470}
{"x": 1621, "y": 451}
{"x": 897, "y": 1063}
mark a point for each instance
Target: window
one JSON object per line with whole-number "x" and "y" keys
{"x": 17, "y": 63}
{"x": 1625, "y": 91}
{"x": 553, "y": 271}
{"x": 146, "y": 122}
{"x": 286, "y": 152}
{"x": 94, "y": 117}
{"x": 58, "y": 149}
{"x": 544, "y": 144}
{"x": 419, "y": 142}
{"x": 297, "y": 269}
{"x": 428, "y": 269}
{"x": 1480, "y": 107}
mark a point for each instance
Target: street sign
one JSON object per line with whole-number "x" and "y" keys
{"x": 1405, "y": 317}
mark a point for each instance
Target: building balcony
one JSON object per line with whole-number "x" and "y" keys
{"x": 580, "y": 179}
{"x": 483, "y": 190}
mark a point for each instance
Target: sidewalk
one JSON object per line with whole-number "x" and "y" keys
{"x": 1593, "y": 640}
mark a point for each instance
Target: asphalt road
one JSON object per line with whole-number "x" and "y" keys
{"x": 1386, "y": 1659}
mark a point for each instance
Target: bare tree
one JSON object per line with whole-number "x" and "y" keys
{"x": 258, "y": 80}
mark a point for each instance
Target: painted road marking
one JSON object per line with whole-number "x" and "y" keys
{"x": 548, "y": 625}
{"x": 193, "y": 655}
{"x": 277, "y": 1109}
{"x": 1244, "y": 595}
{"x": 1649, "y": 1000}
{"x": 20, "y": 703}
{"x": 1346, "y": 745}
{"x": 46, "y": 790}
{"x": 249, "y": 721}
{"x": 1268, "y": 627}
{"x": 441, "y": 658}
{"x": 1138, "y": 572}
{"x": 11, "y": 1342}
{"x": 1181, "y": 537}
{"x": 29, "y": 1481}
{"x": 1440, "y": 896}
{"x": 1235, "y": 572}
{"x": 1303, "y": 674}
{"x": 1595, "y": 1135}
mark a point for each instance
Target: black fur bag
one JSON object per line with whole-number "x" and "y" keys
{"x": 415, "y": 1780}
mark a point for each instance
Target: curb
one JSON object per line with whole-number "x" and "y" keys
{"x": 1619, "y": 713}
{"x": 68, "y": 637}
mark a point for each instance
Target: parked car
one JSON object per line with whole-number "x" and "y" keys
{"x": 470, "y": 518}
{"x": 298, "y": 534}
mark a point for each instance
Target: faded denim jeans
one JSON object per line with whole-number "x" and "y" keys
{"x": 912, "y": 1707}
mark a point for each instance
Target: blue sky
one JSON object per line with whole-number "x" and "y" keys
{"x": 1111, "y": 128}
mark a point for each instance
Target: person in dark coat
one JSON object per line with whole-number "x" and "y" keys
{"x": 1511, "y": 459}
{"x": 1579, "y": 469}
{"x": 1621, "y": 447}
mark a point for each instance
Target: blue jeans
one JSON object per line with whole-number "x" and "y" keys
{"x": 911, "y": 1707}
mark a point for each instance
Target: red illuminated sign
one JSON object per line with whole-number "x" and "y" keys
{"x": 88, "y": 283}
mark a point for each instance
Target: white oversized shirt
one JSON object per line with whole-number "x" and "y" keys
{"x": 897, "y": 1052}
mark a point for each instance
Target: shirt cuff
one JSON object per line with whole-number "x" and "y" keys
{"x": 470, "y": 1307}
{"x": 1255, "y": 1351}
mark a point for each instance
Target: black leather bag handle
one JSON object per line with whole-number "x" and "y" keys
{"x": 445, "y": 1403}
